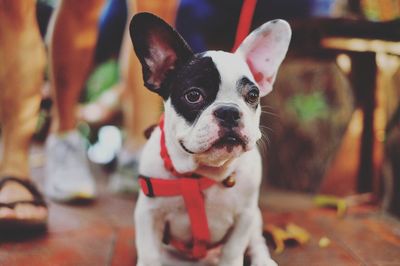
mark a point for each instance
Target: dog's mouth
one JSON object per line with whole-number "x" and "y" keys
{"x": 230, "y": 140}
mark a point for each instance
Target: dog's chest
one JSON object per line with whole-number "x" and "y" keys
{"x": 221, "y": 205}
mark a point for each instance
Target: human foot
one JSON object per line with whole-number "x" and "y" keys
{"x": 21, "y": 204}
{"x": 68, "y": 177}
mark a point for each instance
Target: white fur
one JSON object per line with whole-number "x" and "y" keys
{"x": 228, "y": 209}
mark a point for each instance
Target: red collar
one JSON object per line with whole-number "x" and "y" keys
{"x": 167, "y": 159}
{"x": 190, "y": 187}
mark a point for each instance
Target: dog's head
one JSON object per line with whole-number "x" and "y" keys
{"x": 212, "y": 99}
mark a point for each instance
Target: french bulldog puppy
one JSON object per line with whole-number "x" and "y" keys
{"x": 210, "y": 129}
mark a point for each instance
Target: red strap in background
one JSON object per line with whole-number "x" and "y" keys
{"x": 245, "y": 19}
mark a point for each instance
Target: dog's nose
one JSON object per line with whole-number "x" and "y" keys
{"x": 228, "y": 116}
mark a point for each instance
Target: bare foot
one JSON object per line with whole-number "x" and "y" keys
{"x": 13, "y": 192}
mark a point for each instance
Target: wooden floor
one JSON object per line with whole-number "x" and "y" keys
{"x": 102, "y": 234}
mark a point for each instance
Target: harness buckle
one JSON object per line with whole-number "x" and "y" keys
{"x": 146, "y": 185}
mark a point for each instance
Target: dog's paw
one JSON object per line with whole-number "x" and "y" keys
{"x": 268, "y": 262}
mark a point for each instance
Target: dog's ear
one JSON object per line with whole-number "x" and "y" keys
{"x": 264, "y": 50}
{"x": 160, "y": 50}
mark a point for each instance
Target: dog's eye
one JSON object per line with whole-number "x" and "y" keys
{"x": 252, "y": 96}
{"x": 194, "y": 96}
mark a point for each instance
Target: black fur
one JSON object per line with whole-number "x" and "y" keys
{"x": 200, "y": 73}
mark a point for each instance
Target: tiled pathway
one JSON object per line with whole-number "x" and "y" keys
{"x": 102, "y": 234}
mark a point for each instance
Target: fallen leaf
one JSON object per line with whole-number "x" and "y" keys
{"x": 281, "y": 236}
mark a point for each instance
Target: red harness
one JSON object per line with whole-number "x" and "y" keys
{"x": 190, "y": 187}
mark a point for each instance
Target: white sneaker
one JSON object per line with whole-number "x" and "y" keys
{"x": 68, "y": 177}
{"x": 124, "y": 180}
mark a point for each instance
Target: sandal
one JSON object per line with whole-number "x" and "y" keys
{"x": 22, "y": 223}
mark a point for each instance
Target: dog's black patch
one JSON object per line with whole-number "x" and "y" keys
{"x": 245, "y": 86}
{"x": 244, "y": 81}
{"x": 199, "y": 74}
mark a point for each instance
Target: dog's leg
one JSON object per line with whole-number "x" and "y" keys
{"x": 234, "y": 248}
{"x": 148, "y": 234}
{"x": 258, "y": 249}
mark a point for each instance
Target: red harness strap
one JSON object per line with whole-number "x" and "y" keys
{"x": 164, "y": 152}
{"x": 190, "y": 189}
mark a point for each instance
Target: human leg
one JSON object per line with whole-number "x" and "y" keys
{"x": 21, "y": 74}
{"x": 72, "y": 42}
